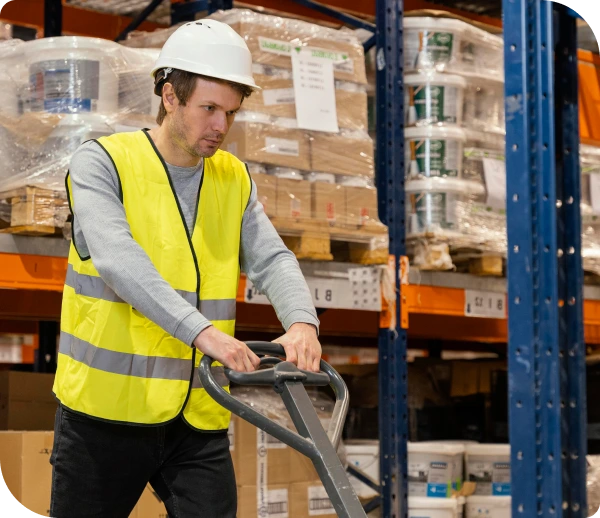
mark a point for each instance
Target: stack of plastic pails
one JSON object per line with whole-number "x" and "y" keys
{"x": 76, "y": 78}
{"x": 488, "y": 466}
{"x": 445, "y": 59}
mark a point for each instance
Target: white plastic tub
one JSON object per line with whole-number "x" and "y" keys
{"x": 484, "y": 105}
{"x": 73, "y": 74}
{"x": 436, "y": 205}
{"x": 433, "y": 151}
{"x": 488, "y": 465}
{"x": 364, "y": 455}
{"x": 422, "y": 507}
{"x": 488, "y": 507}
{"x": 433, "y": 468}
{"x": 434, "y": 99}
{"x": 448, "y": 45}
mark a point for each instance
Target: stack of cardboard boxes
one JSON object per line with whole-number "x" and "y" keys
{"x": 274, "y": 480}
{"x": 326, "y": 176}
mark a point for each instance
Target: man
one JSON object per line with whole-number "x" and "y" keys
{"x": 162, "y": 221}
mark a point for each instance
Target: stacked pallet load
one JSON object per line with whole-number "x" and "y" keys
{"x": 590, "y": 211}
{"x": 273, "y": 479}
{"x": 455, "y": 166}
{"x": 58, "y": 93}
{"x": 304, "y": 137}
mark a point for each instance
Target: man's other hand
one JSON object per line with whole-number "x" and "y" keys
{"x": 302, "y": 346}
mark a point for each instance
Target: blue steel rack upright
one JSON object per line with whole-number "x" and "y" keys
{"x": 546, "y": 347}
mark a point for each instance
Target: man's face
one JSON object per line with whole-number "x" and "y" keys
{"x": 200, "y": 126}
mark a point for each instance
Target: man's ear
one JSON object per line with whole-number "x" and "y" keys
{"x": 169, "y": 98}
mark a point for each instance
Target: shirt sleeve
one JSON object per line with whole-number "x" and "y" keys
{"x": 273, "y": 268}
{"x": 101, "y": 231}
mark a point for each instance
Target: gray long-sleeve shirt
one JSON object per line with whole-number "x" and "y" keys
{"x": 101, "y": 231}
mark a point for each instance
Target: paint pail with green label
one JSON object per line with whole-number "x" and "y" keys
{"x": 434, "y": 151}
{"x": 432, "y": 43}
{"x": 434, "y": 99}
{"x": 437, "y": 205}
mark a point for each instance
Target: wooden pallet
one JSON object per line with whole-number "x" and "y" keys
{"x": 318, "y": 241}
{"x": 480, "y": 264}
{"x": 32, "y": 211}
{"x": 434, "y": 253}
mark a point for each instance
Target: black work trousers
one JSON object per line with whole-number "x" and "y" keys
{"x": 100, "y": 469}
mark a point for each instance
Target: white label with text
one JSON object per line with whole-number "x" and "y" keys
{"x": 487, "y": 304}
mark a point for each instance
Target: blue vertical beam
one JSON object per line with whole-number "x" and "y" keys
{"x": 393, "y": 374}
{"x": 532, "y": 259}
{"x": 572, "y": 351}
{"x": 546, "y": 353}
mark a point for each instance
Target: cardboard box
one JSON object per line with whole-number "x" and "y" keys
{"x": 27, "y": 401}
{"x": 26, "y": 468}
{"x": 293, "y": 199}
{"x": 277, "y": 98}
{"x": 345, "y": 153}
{"x": 266, "y": 189}
{"x": 271, "y": 41}
{"x": 328, "y": 203}
{"x": 361, "y": 206}
{"x": 310, "y": 499}
{"x": 283, "y": 464}
{"x": 277, "y": 502}
{"x": 268, "y": 143}
{"x": 276, "y": 455}
{"x": 25, "y": 463}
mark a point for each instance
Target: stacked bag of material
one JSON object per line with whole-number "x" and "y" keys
{"x": 57, "y": 93}
{"x": 454, "y": 135}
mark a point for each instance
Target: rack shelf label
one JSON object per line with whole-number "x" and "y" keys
{"x": 485, "y": 304}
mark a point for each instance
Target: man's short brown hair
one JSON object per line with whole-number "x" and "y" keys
{"x": 184, "y": 84}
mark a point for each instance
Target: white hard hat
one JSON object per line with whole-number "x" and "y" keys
{"x": 209, "y": 48}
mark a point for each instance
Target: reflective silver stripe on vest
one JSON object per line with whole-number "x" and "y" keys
{"x": 91, "y": 286}
{"x": 223, "y": 309}
{"x": 127, "y": 364}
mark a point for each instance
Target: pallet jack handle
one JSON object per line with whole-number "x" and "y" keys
{"x": 311, "y": 440}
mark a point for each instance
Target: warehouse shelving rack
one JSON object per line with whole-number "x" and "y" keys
{"x": 551, "y": 317}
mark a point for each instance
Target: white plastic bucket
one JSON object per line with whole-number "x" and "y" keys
{"x": 72, "y": 131}
{"x": 433, "y": 468}
{"x": 73, "y": 74}
{"x": 434, "y": 99}
{"x": 488, "y": 507}
{"x": 484, "y": 105}
{"x": 286, "y": 173}
{"x": 364, "y": 455}
{"x": 136, "y": 86}
{"x": 436, "y": 205}
{"x": 433, "y": 151}
{"x": 422, "y": 507}
{"x": 432, "y": 43}
{"x": 488, "y": 465}
{"x": 321, "y": 177}
{"x": 460, "y": 511}
{"x": 448, "y": 45}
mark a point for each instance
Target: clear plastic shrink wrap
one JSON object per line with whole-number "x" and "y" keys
{"x": 306, "y": 176}
{"x": 57, "y": 93}
{"x": 590, "y": 208}
{"x": 270, "y": 404}
{"x": 454, "y": 160}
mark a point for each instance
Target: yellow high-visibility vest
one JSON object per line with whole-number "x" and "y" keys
{"x": 113, "y": 362}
